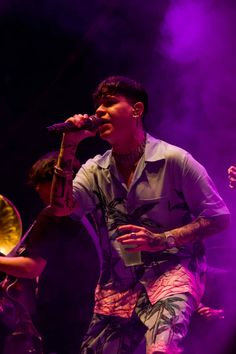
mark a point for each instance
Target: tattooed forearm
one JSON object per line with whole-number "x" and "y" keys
{"x": 62, "y": 202}
{"x": 66, "y": 155}
{"x": 61, "y": 194}
{"x": 200, "y": 229}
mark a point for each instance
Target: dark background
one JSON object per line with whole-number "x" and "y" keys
{"x": 55, "y": 52}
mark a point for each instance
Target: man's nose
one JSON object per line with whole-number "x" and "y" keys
{"x": 100, "y": 111}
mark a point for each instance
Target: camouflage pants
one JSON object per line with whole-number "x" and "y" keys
{"x": 164, "y": 325}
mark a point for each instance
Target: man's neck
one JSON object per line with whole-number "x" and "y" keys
{"x": 129, "y": 144}
{"x": 128, "y": 154}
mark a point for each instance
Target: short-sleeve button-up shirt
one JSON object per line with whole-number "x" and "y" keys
{"x": 169, "y": 189}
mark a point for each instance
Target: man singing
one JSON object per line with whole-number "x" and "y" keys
{"x": 153, "y": 201}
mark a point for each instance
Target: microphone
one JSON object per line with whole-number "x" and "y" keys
{"x": 91, "y": 123}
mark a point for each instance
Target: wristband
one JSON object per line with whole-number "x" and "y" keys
{"x": 62, "y": 173}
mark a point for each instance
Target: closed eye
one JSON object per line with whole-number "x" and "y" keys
{"x": 109, "y": 102}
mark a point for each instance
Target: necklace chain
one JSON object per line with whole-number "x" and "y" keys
{"x": 132, "y": 156}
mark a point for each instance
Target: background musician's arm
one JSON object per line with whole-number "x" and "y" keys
{"x": 22, "y": 267}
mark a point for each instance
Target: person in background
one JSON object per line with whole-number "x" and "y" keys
{"x": 63, "y": 254}
{"x": 65, "y": 296}
{"x": 232, "y": 176}
{"x": 155, "y": 205}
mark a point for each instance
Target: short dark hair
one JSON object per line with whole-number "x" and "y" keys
{"x": 121, "y": 85}
{"x": 43, "y": 169}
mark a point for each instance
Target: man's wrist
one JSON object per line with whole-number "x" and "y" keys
{"x": 62, "y": 173}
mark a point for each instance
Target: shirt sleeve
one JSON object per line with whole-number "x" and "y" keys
{"x": 84, "y": 188}
{"x": 200, "y": 191}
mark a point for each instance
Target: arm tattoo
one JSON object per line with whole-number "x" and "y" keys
{"x": 61, "y": 194}
{"x": 155, "y": 242}
{"x": 200, "y": 229}
{"x": 66, "y": 155}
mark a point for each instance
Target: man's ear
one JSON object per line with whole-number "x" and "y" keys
{"x": 138, "y": 109}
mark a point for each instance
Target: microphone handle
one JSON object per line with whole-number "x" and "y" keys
{"x": 91, "y": 123}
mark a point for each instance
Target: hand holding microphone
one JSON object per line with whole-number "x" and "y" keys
{"x": 77, "y": 123}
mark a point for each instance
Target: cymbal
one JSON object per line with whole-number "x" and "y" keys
{"x": 10, "y": 226}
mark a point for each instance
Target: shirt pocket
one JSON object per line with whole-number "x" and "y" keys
{"x": 151, "y": 213}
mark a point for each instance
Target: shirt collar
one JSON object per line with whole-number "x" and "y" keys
{"x": 154, "y": 151}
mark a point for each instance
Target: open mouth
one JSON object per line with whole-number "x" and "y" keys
{"x": 106, "y": 125}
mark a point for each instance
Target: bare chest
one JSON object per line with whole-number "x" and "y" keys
{"x": 127, "y": 173}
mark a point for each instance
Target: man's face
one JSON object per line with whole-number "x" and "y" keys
{"x": 44, "y": 190}
{"x": 118, "y": 112}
